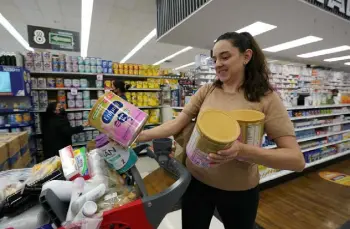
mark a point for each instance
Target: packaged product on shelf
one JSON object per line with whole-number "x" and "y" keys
{"x": 67, "y": 83}
{"x": 78, "y": 115}
{"x": 88, "y": 135}
{"x": 99, "y": 69}
{"x": 84, "y": 83}
{"x": 87, "y": 69}
{"x": 35, "y": 96}
{"x": 79, "y": 122}
{"x": 69, "y": 67}
{"x": 95, "y": 133}
{"x": 98, "y": 61}
{"x": 105, "y": 70}
{"x": 71, "y": 103}
{"x": 117, "y": 125}
{"x": 38, "y": 66}
{"x": 92, "y": 61}
{"x": 75, "y": 67}
{"x": 80, "y": 60}
{"x": 71, "y": 116}
{"x": 55, "y": 66}
{"x": 26, "y": 118}
{"x": 108, "y": 84}
{"x": 81, "y": 68}
{"x": 79, "y": 103}
{"x": 70, "y": 96}
{"x": 2, "y": 120}
{"x": 93, "y": 69}
{"x": 104, "y": 64}
{"x": 76, "y": 83}
{"x": 86, "y": 94}
{"x": 81, "y": 137}
{"x": 87, "y": 61}
{"x": 29, "y": 56}
{"x": 87, "y": 103}
{"x": 51, "y": 82}
{"x": 47, "y": 66}
{"x": 38, "y": 56}
{"x": 72, "y": 123}
{"x": 79, "y": 95}
{"x": 85, "y": 115}
{"x": 34, "y": 82}
{"x": 59, "y": 83}
{"x": 69, "y": 59}
{"x": 41, "y": 83}
{"x": 62, "y": 66}
{"x": 99, "y": 83}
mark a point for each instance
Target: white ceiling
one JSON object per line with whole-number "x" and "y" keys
{"x": 294, "y": 19}
{"x": 117, "y": 26}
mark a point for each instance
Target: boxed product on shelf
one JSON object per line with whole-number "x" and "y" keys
{"x": 346, "y": 136}
{"x": 4, "y": 156}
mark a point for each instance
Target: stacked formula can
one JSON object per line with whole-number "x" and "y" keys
{"x": 59, "y": 63}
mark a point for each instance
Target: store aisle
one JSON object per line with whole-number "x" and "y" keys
{"x": 307, "y": 202}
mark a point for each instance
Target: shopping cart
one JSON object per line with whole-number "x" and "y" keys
{"x": 149, "y": 211}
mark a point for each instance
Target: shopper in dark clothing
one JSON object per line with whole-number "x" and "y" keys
{"x": 57, "y": 132}
{"x": 119, "y": 88}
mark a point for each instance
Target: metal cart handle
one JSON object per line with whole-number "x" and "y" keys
{"x": 157, "y": 206}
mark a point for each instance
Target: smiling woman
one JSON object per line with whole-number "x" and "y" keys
{"x": 231, "y": 183}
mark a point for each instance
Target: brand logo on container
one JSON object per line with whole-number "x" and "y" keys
{"x": 111, "y": 110}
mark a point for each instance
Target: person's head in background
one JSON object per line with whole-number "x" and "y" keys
{"x": 54, "y": 108}
{"x": 119, "y": 87}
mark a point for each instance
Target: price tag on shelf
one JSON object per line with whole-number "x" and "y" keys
{"x": 99, "y": 76}
{"x": 107, "y": 90}
{"x": 74, "y": 91}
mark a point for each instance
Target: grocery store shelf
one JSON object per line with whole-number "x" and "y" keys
{"x": 68, "y": 89}
{"x": 144, "y": 89}
{"x": 89, "y": 128}
{"x": 324, "y": 145}
{"x": 149, "y": 107}
{"x": 320, "y": 126}
{"x": 15, "y": 125}
{"x": 317, "y": 107}
{"x": 9, "y": 111}
{"x": 178, "y": 108}
{"x": 104, "y": 74}
{"x": 319, "y": 116}
{"x": 308, "y": 165}
{"x": 79, "y": 144}
{"x": 313, "y": 138}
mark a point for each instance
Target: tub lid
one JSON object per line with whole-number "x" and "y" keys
{"x": 218, "y": 126}
{"x": 247, "y": 115}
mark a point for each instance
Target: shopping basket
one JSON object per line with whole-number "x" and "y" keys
{"x": 149, "y": 211}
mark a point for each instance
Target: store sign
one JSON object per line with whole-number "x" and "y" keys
{"x": 340, "y": 8}
{"x": 49, "y": 38}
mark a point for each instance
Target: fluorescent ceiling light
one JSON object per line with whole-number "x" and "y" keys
{"x": 7, "y": 25}
{"x": 184, "y": 66}
{"x": 257, "y": 28}
{"x": 293, "y": 44}
{"x": 337, "y": 59}
{"x": 173, "y": 55}
{"x": 271, "y": 61}
{"x": 325, "y": 51}
{"x": 86, "y": 14}
{"x": 347, "y": 63}
{"x": 142, "y": 43}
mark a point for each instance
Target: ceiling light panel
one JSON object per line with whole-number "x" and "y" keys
{"x": 325, "y": 51}
{"x": 184, "y": 66}
{"x": 173, "y": 55}
{"x": 257, "y": 28}
{"x": 7, "y": 25}
{"x": 337, "y": 59}
{"x": 347, "y": 63}
{"x": 142, "y": 43}
{"x": 86, "y": 14}
{"x": 293, "y": 44}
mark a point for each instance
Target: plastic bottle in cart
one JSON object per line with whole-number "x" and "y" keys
{"x": 116, "y": 156}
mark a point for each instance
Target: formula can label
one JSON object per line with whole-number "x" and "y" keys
{"x": 196, "y": 156}
{"x": 118, "y": 119}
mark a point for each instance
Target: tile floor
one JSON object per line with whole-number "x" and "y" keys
{"x": 146, "y": 165}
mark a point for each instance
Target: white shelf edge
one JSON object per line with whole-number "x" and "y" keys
{"x": 178, "y": 108}
{"x": 313, "y": 138}
{"x": 308, "y": 165}
{"x": 324, "y": 145}
{"x": 317, "y": 107}
{"x": 318, "y": 116}
{"x": 68, "y": 88}
{"x": 320, "y": 126}
{"x": 88, "y": 109}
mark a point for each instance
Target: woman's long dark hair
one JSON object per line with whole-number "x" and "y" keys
{"x": 256, "y": 75}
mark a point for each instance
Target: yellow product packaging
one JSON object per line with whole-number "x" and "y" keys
{"x": 139, "y": 84}
{"x": 120, "y": 66}
{"x": 136, "y": 72}
{"x": 131, "y": 67}
{"x": 130, "y": 72}
{"x": 214, "y": 131}
{"x": 133, "y": 84}
{"x": 142, "y": 72}
{"x": 121, "y": 71}
{"x": 126, "y": 67}
{"x": 144, "y": 84}
{"x": 115, "y": 65}
{"x": 115, "y": 71}
{"x": 139, "y": 96}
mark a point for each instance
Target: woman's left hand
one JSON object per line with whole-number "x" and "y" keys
{"x": 226, "y": 155}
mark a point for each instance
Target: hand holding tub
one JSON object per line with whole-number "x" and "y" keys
{"x": 224, "y": 156}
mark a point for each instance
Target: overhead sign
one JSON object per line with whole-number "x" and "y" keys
{"x": 340, "y": 8}
{"x": 49, "y": 38}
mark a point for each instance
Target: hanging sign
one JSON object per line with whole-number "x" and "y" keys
{"x": 338, "y": 178}
{"x": 340, "y": 8}
{"x": 49, "y": 38}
